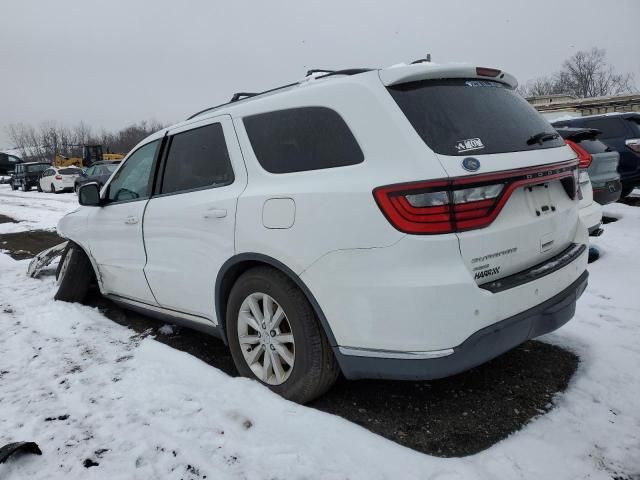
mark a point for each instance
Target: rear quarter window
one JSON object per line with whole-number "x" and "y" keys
{"x": 302, "y": 139}
{"x": 468, "y": 116}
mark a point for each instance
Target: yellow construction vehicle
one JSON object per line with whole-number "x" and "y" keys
{"x": 90, "y": 155}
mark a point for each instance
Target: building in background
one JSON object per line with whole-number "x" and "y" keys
{"x": 555, "y": 107}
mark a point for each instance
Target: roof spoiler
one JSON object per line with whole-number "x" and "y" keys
{"x": 429, "y": 71}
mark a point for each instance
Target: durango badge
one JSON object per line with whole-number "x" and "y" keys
{"x": 471, "y": 164}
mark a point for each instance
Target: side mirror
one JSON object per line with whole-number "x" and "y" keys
{"x": 89, "y": 195}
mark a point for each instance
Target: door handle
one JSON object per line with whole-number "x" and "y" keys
{"x": 215, "y": 213}
{"x": 131, "y": 220}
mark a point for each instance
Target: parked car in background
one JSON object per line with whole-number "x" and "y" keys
{"x": 58, "y": 179}
{"x": 7, "y": 166}
{"x": 601, "y": 159}
{"x": 621, "y": 132}
{"x": 99, "y": 172}
{"x": 403, "y": 223}
{"x": 26, "y": 175}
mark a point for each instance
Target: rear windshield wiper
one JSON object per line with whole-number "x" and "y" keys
{"x": 542, "y": 137}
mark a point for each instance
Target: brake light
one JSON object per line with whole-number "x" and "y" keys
{"x": 463, "y": 203}
{"x": 487, "y": 72}
{"x": 584, "y": 157}
{"x": 58, "y": 177}
{"x": 633, "y": 144}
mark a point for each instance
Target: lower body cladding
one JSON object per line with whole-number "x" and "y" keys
{"x": 394, "y": 317}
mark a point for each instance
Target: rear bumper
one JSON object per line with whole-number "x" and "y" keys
{"x": 479, "y": 348}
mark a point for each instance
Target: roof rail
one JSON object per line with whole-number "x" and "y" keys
{"x": 318, "y": 70}
{"x": 240, "y": 95}
{"x": 244, "y": 95}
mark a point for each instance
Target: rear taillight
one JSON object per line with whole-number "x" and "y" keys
{"x": 584, "y": 157}
{"x": 633, "y": 144}
{"x": 464, "y": 203}
{"x": 58, "y": 177}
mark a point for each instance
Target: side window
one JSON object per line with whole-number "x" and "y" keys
{"x": 197, "y": 158}
{"x": 301, "y": 139}
{"x": 90, "y": 171}
{"x": 133, "y": 180}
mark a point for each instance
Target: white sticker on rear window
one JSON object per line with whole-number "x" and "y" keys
{"x": 482, "y": 83}
{"x": 469, "y": 144}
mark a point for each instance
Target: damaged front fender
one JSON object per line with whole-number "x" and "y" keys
{"x": 44, "y": 258}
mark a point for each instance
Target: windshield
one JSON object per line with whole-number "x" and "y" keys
{"x": 37, "y": 168}
{"x": 464, "y": 116}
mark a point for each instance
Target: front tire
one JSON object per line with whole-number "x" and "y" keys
{"x": 275, "y": 338}
{"x": 25, "y": 188}
{"x": 74, "y": 275}
{"x": 38, "y": 187}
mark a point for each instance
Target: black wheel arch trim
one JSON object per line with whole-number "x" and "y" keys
{"x": 224, "y": 284}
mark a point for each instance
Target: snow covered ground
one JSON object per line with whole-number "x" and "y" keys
{"x": 143, "y": 410}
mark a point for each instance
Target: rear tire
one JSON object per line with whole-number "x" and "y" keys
{"x": 13, "y": 187}
{"x": 626, "y": 191}
{"x": 74, "y": 275}
{"x": 25, "y": 188}
{"x": 38, "y": 187}
{"x": 53, "y": 188}
{"x": 314, "y": 368}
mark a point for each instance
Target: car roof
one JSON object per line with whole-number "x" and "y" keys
{"x": 242, "y": 104}
{"x": 624, "y": 115}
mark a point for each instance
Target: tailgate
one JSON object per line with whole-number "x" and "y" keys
{"x": 537, "y": 221}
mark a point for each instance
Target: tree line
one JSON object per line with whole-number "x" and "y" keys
{"x": 585, "y": 74}
{"x": 43, "y": 142}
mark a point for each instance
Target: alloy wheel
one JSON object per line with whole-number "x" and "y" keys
{"x": 266, "y": 339}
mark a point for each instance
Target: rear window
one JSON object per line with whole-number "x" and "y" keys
{"x": 464, "y": 116}
{"x": 610, "y": 127}
{"x": 70, "y": 171}
{"x": 37, "y": 168}
{"x": 301, "y": 139}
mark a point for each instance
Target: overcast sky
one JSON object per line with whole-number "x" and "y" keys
{"x": 114, "y": 62}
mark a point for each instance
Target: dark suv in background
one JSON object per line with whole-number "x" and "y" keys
{"x": 621, "y": 132}
{"x": 26, "y": 175}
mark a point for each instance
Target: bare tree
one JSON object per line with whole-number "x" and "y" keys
{"x": 50, "y": 138}
{"x": 585, "y": 74}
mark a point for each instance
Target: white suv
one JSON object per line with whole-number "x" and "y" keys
{"x": 403, "y": 223}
